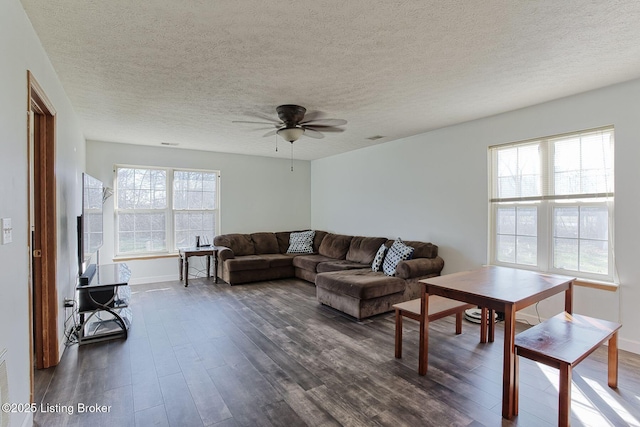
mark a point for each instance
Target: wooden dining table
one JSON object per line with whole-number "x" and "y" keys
{"x": 498, "y": 289}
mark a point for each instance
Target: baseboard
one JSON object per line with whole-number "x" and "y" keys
{"x": 623, "y": 343}
{"x": 629, "y": 345}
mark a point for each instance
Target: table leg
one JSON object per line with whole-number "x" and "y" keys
{"x": 180, "y": 260}
{"x": 483, "y": 324}
{"x": 398, "y": 334}
{"x": 208, "y": 266}
{"x": 508, "y": 369}
{"x": 492, "y": 325}
{"x": 568, "y": 299}
{"x": 215, "y": 267}
{"x": 612, "y": 368}
{"x": 186, "y": 271}
{"x": 423, "y": 356}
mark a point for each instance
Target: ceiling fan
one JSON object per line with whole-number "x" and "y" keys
{"x": 295, "y": 122}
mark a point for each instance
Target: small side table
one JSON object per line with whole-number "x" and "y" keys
{"x": 208, "y": 251}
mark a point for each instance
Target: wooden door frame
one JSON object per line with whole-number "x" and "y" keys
{"x": 43, "y": 292}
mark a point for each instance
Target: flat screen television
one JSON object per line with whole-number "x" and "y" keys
{"x": 90, "y": 224}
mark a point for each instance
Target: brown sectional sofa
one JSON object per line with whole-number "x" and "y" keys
{"x": 340, "y": 267}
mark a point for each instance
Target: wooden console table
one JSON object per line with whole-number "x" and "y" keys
{"x": 499, "y": 289}
{"x": 209, "y": 251}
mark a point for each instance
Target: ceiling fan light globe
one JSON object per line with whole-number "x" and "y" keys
{"x": 291, "y": 134}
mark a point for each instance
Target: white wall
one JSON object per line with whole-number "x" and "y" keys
{"x": 20, "y": 51}
{"x": 434, "y": 187}
{"x": 256, "y": 194}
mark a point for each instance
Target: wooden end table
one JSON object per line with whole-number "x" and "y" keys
{"x": 183, "y": 259}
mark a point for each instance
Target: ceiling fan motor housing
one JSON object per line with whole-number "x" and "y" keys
{"x": 291, "y": 115}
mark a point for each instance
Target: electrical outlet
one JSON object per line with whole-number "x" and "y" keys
{"x": 7, "y": 235}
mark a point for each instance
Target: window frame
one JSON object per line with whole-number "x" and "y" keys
{"x": 169, "y": 210}
{"x": 545, "y": 209}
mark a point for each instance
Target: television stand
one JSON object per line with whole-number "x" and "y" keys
{"x": 103, "y": 304}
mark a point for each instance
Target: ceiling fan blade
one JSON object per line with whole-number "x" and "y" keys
{"x": 270, "y": 133}
{"x": 312, "y": 133}
{"x": 257, "y": 123}
{"x": 262, "y": 116}
{"x": 312, "y": 115}
{"x": 324, "y": 122}
{"x": 324, "y": 129}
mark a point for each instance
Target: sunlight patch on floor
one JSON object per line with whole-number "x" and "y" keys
{"x": 583, "y": 408}
{"x": 605, "y": 394}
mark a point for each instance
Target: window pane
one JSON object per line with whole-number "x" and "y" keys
{"x": 565, "y": 222}
{"x": 565, "y": 254}
{"x": 125, "y": 222}
{"x": 594, "y": 256}
{"x": 583, "y": 164}
{"x": 527, "y": 222}
{"x": 125, "y": 242}
{"x": 516, "y": 238}
{"x": 506, "y": 221}
{"x": 195, "y": 200}
{"x": 519, "y": 171}
{"x": 506, "y": 248}
{"x": 194, "y": 190}
{"x": 594, "y": 223}
{"x": 527, "y": 250}
{"x": 141, "y": 232}
{"x": 143, "y": 222}
{"x": 192, "y": 224}
{"x": 141, "y": 188}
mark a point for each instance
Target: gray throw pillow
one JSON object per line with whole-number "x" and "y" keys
{"x": 397, "y": 252}
{"x": 379, "y": 258}
{"x": 301, "y": 243}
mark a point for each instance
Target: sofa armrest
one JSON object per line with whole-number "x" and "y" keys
{"x": 225, "y": 253}
{"x": 419, "y": 267}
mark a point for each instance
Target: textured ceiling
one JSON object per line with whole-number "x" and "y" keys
{"x": 153, "y": 71}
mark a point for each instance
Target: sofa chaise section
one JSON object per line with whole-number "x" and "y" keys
{"x": 363, "y": 293}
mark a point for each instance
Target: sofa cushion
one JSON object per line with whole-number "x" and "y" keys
{"x": 339, "y": 265}
{"x": 248, "y": 262}
{"x": 283, "y": 241}
{"x": 418, "y": 267}
{"x": 240, "y": 244}
{"x": 363, "y": 249}
{"x": 278, "y": 260}
{"x": 317, "y": 241}
{"x": 376, "y": 264}
{"x": 396, "y": 253}
{"x": 422, "y": 249}
{"x": 301, "y": 242}
{"x": 310, "y": 262}
{"x": 361, "y": 284}
{"x": 335, "y": 245}
{"x": 265, "y": 243}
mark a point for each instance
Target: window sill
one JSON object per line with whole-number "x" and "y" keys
{"x": 595, "y": 284}
{"x": 143, "y": 257}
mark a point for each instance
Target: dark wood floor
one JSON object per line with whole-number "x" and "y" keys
{"x": 269, "y": 354}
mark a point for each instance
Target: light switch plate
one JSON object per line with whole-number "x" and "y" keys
{"x": 7, "y": 235}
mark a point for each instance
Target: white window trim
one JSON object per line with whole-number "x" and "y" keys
{"x": 545, "y": 206}
{"x": 168, "y": 211}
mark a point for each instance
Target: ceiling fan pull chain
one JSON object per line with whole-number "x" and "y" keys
{"x": 276, "y": 142}
{"x": 292, "y": 157}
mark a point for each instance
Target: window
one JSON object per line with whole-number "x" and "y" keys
{"x": 160, "y": 210}
{"x": 551, "y": 206}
